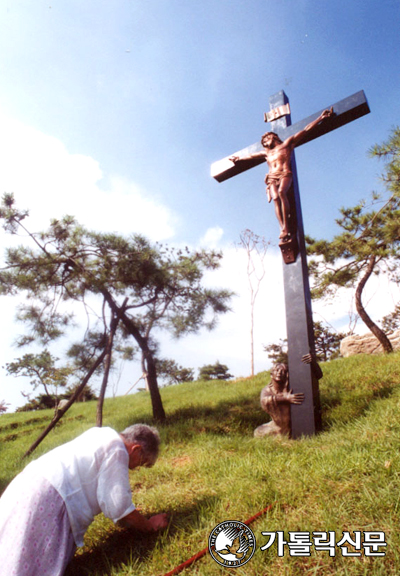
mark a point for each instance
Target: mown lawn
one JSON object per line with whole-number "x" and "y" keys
{"x": 211, "y": 469}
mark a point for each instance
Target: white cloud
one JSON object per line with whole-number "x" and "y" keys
{"x": 128, "y": 209}
{"x": 229, "y": 342}
{"x": 51, "y": 182}
{"x": 212, "y": 237}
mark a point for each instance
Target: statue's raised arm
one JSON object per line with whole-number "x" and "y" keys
{"x": 298, "y": 137}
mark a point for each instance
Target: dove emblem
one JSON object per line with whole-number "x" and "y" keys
{"x": 231, "y": 544}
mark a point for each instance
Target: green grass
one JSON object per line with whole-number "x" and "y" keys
{"x": 211, "y": 469}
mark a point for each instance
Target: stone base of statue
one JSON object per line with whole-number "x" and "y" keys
{"x": 268, "y": 429}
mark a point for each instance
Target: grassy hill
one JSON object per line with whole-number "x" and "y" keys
{"x": 211, "y": 469}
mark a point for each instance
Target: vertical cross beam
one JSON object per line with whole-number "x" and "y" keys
{"x": 306, "y": 417}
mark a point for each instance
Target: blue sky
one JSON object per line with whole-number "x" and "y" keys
{"x": 114, "y": 112}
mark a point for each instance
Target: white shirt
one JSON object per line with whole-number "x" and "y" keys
{"x": 91, "y": 474}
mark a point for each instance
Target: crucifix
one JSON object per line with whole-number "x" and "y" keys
{"x": 283, "y": 189}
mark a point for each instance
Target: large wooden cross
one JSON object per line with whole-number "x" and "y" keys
{"x": 306, "y": 417}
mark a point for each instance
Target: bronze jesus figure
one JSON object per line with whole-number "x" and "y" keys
{"x": 277, "y": 154}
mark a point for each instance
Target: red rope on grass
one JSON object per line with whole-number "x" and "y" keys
{"x": 203, "y": 552}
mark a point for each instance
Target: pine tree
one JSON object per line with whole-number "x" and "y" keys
{"x": 369, "y": 243}
{"x": 139, "y": 286}
{"x": 215, "y": 371}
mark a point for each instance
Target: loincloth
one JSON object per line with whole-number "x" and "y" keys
{"x": 276, "y": 177}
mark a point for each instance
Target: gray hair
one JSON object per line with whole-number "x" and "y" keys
{"x": 148, "y": 438}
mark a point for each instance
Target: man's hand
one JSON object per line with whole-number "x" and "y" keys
{"x": 233, "y": 159}
{"x": 159, "y": 521}
{"x": 139, "y": 522}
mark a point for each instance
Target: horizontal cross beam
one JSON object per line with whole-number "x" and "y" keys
{"x": 345, "y": 111}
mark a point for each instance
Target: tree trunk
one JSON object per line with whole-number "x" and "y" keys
{"x": 156, "y": 402}
{"x": 149, "y": 370}
{"x": 60, "y": 413}
{"x": 158, "y": 409}
{"x": 252, "y": 340}
{"x": 144, "y": 372}
{"x": 100, "y": 401}
{"x": 376, "y": 331}
{"x": 107, "y": 365}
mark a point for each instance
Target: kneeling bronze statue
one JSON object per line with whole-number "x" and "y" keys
{"x": 277, "y": 397}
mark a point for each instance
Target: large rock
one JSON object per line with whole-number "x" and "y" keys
{"x": 366, "y": 344}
